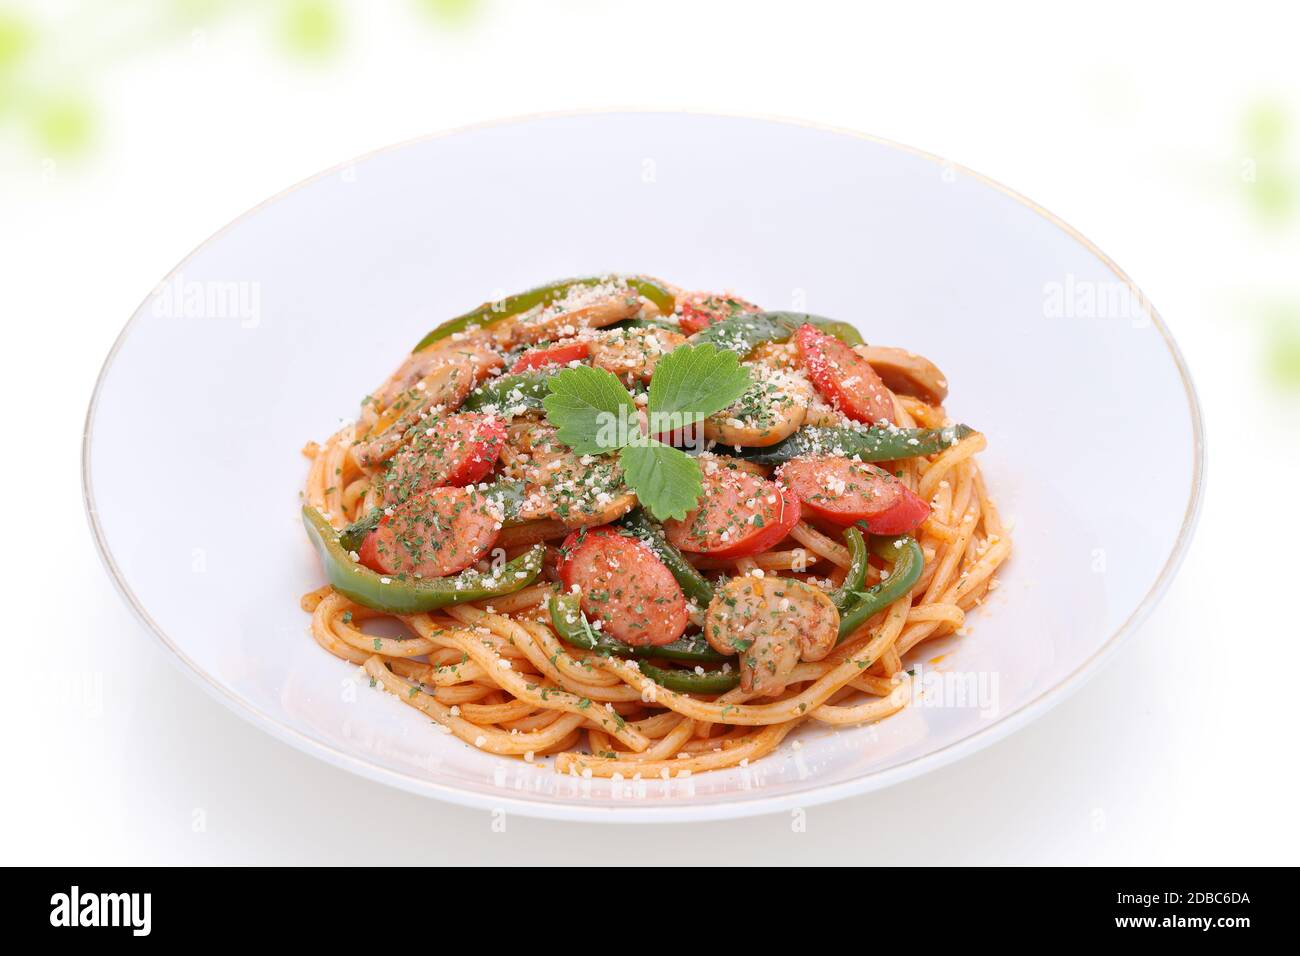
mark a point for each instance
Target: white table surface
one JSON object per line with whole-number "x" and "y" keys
{"x": 1181, "y": 751}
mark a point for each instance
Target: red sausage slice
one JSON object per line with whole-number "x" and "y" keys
{"x": 457, "y": 450}
{"x": 843, "y": 377}
{"x": 433, "y": 534}
{"x": 698, "y": 310}
{"x": 843, "y": 491}
{"x": 624, "y": 586}
{"x": 738, "y": 514}
{"x": 561, "y": 354}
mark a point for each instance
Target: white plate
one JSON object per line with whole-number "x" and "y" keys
{"x": 268, "y": 334}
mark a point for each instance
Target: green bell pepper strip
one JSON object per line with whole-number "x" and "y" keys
{"x": 692, "y": 583}
{"x": 790, "y": 321}
{"x": 689, "y": 682}
{"x": 573, "y": 628}
{"x": 490, "y": 313}
{"x": 528, "y": 389}
{"x": 845, "y": 595}
{"x": 645, "y": 324}
{"x": 846, "y": 333}
{"x": 868, "y": 444}
{"x": 404, "y": 595}
{"x": 350, "y": 538}
{"x": 509, "y": 495}
{"x": 908, "y": 562}
{"x": 745, "y": 331}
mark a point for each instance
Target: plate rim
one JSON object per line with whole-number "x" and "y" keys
{"x": 685, "y": 812}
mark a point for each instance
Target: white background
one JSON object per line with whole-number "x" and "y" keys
{"x": 1126, "y": 121}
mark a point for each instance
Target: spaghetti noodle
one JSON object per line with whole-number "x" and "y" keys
{"x": 544, "y": 611}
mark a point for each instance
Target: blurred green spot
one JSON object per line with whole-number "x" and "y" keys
{"x": 15, "y": 38}
{"x": 1266, "y": 127}
{"x": 62, "y": 124}
{"x": 1269, "y": 167}
{"x": 311, "y": 27}
{"x": 1283, "y": 345}
{"x": 452, "y": 11}
{"x": 1271, "y": 195}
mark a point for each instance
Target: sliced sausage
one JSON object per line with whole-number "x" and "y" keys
{"x": 458, "y": 450}
{"x": 561, "y": 353}
{"x": 738, "y": 514}
{"x": 773, "y": 408}
{"x": 772, "y": 623}
{"x": 433, "y": 534}
{"x": 844, "y": 490}
{"x": 625, "y": 587}
{"x": 698, "y": 310}
{"x": 843, "y": 377}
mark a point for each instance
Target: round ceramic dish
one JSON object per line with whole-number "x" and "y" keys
{"x": 269, "y": 333}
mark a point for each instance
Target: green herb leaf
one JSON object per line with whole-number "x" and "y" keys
{"x": 693, "y": 382}
{"x": 666, "y": 481}
{"x": 590, "y": 409}
{"x": 594, "y": 414}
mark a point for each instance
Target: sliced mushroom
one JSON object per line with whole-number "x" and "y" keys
{"x": 906, "y": 372}
{"x": 579, "y": 491}
{"x": 450, "y": 375}
{"x": 709, "y": 460}
{"x": 473, "y": 348}
{"x": 773, "y": 407}
{"x": 632, "y": 354}
{"x": 822, "y": 414}
{"x": 782, "y": 356}
{"x": 772, "y": 623}
{"x": 585, "y": 307}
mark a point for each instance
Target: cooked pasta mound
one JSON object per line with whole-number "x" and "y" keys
{"x": 647, "y": 532}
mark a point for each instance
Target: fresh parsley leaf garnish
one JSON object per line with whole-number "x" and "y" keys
{"x": 584, "y": 405}
{"x": 694, "y": 381}
{"x": 666, "y": 480}
{"x": 594, "y": 415}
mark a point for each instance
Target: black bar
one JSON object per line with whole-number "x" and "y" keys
{"x": 193, "y": 904}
